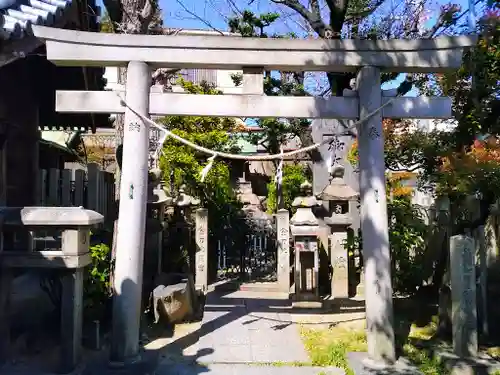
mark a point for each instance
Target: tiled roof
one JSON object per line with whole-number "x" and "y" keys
{"x": 17, "y": 16}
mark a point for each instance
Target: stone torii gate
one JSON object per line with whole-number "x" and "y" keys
{"x": 141, "y": 53}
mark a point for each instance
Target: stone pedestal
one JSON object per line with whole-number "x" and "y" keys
{"x": 338, "y": 254}
{"x": 283, "y": 232}
{"x": 71, "y": 319}
{"x": 201, "y": 278}
{"x": 68, "y": 261}
{"x": 306, "y": 267}
{"x": 305, "y": 227}
{"x": 463, "y": 296}
{"x": 339, "y": 196}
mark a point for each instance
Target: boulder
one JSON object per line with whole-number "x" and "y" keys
{"x": 174, "y": 302}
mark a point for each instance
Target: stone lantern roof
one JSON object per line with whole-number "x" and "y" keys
{"x": 246, "y": 195}
{"x": 307, "y": 199}
{"x": 338, "y": 190}
{"x": 252, "y": 203}
{"x": 184, "y": 199}
{"x": 156, "y": 193}
{"x": 304, "y": 221}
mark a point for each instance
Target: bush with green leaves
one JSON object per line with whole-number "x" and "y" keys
{"x": 97, "y": 287}
{"x": 293, "y": 176}
{"x": 407, "y": 234}
{"x": 182, "y": 165}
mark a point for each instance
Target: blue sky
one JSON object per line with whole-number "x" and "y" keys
{"x": 214, "y": 13}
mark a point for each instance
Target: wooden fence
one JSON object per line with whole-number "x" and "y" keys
{"x": 92, "y": 188}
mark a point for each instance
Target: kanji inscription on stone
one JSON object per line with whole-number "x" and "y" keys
{"x": 283, "y": 240}
{"x": 373, "y": 133}
{"x": 201, "y": 226}
{"x": 134, "y": 126}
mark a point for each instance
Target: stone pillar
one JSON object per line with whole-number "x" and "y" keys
{"x": 340, "y": 278}
{"x": 325, "y": 128}
{"x": 480, "y": 250}
{"x": 463, "y": 296}
{"x": 283, "y": 232}
{"x": 201, "y": 279}
{"x": 71, "y": 318}
{"x": 374, "y": 224}
{"x": 127, "y": 299}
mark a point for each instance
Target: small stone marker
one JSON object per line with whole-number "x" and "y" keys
{"x": 463, "y": 296}
{"x": 283, "y": 229}
{"x": 201, "y": 249}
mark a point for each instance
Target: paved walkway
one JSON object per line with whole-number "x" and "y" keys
{"x": 249, "y": 327}
{"x": 242, "y": 333}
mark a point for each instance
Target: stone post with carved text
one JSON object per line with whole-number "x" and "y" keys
{"x": 283, "y": 233}
{"x": 340, "y": 277}
{"x": 201, "y": 259}
{"x": 463, "y": 296}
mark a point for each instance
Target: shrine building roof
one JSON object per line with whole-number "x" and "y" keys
{"x": 17, "y": 16}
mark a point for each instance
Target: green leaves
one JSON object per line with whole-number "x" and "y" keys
{"x": 97, "y": 280}
{"x": 250, "y": 25}
{"x": 182, "y": 165}
{"x": 293, "y": 176}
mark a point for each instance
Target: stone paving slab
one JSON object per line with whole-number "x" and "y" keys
{"x": 247, "y": 327}
{"x": 401, "y": 367}
{"x": 235, "y": 369}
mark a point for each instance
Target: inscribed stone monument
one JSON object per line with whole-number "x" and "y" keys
{"x": 335, "y": 153}
{"x": 201, "y": 279}
{"x": 463, "y": 296}
{"x": 283, "y": 232}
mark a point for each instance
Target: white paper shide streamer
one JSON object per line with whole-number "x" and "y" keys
{"x": 278, "y": 179}
{"x": 329, "y": 163}
{"x": 207, "y": 167}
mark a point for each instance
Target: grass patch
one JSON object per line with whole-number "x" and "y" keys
{"x": 495, "y": 353}
{"x": 283, "y": 364}
{"x": 329, "y": 347}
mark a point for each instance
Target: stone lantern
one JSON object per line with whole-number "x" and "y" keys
{"x": 158, "y": 200}
{"x": 185, "y": 201}
{"x": 252, "y": 204}
{"x": 339, "y": 194}
{"x": 305, "y": 227}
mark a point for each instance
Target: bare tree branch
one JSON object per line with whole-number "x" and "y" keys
{"x": 235, "y": 8}
{"x": 146, "y": 16}
{"x": 313, "y": 19}
{"x": 315, "y": 8}
{"x": 201, "y": 19}
{"x": 338, "y": 9}
{"x": 443, "y": 20}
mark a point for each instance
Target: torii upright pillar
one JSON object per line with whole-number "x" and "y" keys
{"x": 374, "y": 224}
{"x": 127, "y": 282}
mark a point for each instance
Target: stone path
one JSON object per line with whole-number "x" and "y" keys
{"x": 249, "y": 327}
{"x": 242, "y": 333}
{"x": 241, "y": 369}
